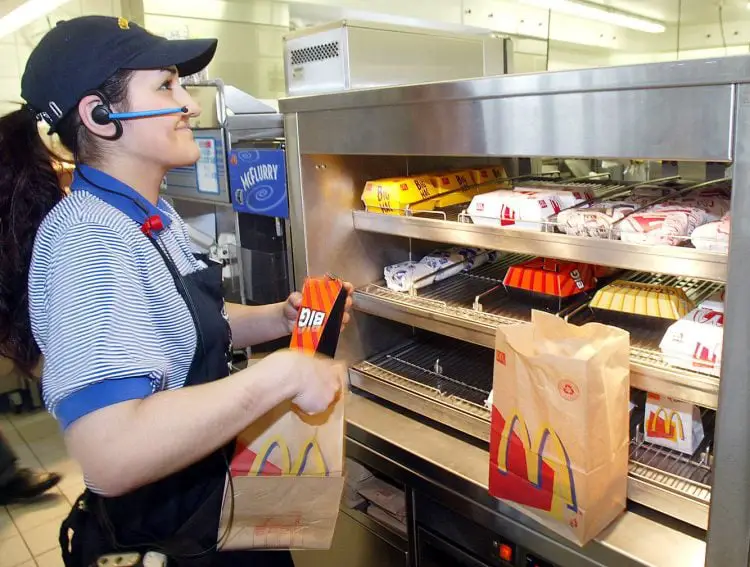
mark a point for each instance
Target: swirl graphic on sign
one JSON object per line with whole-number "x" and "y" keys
{"x": 258, "y": 196}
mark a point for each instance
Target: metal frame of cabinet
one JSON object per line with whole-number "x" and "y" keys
{"x": 683, "y": 111}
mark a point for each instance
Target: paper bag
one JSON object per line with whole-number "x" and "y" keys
{"x": 559, "y": 434}
{"x": 287, "y": 470}
{"x": 673, "y": 424}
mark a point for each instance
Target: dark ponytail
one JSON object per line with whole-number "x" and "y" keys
{"x": 29, "y": 188}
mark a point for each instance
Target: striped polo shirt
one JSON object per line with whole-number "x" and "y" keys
{"x": 104, "y": 308}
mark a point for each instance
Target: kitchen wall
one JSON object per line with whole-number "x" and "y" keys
{"x": 250, "y": 53}
{"x": 250, "y": 33}
{"x": 15, "y": 48}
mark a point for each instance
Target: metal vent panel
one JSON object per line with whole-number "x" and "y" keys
{"x": 321, "y": 52}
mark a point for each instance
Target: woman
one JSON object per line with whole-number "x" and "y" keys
{"x": 131, "y": 325}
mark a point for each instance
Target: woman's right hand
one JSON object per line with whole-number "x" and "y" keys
{"x": 317, "y": 380}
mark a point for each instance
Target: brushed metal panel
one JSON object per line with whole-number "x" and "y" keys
{"x": 645, "y": 124}
{"x": 716, "y": 71}
{"x": 729, "y": 523}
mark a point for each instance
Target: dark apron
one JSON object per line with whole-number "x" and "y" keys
{"x": 178, "y": 515}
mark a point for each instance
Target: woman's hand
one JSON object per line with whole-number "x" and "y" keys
{"x": 294, "y": 302}
{"x": 318, "y": 382}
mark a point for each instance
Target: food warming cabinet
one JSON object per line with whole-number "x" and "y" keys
{"x": 431, "y": 441}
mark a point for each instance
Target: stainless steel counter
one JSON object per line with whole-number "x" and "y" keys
{"x": 460, "y": 467}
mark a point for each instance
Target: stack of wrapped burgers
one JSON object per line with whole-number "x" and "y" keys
{"x": 701, "y": 218}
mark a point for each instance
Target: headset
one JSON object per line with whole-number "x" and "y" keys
{"x": 103, "y": 115}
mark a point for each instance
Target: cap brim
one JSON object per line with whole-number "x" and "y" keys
{"x": 189, "y": 55}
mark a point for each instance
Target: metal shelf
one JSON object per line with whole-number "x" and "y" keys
{"x": 674, "y": 483}
{"x": 448, "y": 384}
{"x": 446, "y": 308}
{"x": 673, "y": 260}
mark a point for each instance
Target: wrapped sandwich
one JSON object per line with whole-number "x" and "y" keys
{"x": 436, "y": 266}
{"x": 714, "y": 236}
{"x": 524, "y": 210}
{"x": 695, "y": 341}
{"x": 593, "y": 221}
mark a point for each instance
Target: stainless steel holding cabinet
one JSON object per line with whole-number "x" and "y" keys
{"x": 695, "y": 111}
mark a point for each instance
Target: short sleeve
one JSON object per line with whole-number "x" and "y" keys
{"x": 99, "y": 342}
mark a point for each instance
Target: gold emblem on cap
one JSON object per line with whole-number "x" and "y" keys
{"x": 123, "y": 23}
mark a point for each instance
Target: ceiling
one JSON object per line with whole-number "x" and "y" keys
{"x": 688, "y": 12}
{"x": 8, "y": 5}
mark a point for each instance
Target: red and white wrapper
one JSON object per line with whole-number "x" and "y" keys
{"x": 663, "y": 225}
{"x": 524, "y": 210}
{"x": 713, "y": 237}
{"x": 593, "y": 221}
{"x": 695, "y": 341}
{"x": 715, "y": 202}
{"x": 566, "y": 196}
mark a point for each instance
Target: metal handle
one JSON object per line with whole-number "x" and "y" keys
{"x": 221, "y": 99}
{"x": 619, "y": 190}
{"x": 477, "y": 306}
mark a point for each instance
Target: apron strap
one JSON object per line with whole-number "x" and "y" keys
{"x": 72, "y": 532}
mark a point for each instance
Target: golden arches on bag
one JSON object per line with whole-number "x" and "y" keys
{"x": 309, "y": 460}
{"x": 564, "y": 489}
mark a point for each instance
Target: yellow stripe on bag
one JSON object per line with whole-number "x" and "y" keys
{"x": 309, "y": 461}
{"x": 563, "y": 489}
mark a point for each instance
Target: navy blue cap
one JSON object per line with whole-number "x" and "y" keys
{"x": 79, "y": 55}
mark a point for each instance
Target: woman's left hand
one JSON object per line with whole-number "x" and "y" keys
{"x": 294, "y": 302}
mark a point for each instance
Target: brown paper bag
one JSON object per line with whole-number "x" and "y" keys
{"x": 287, "y": 475}
{"x": 559, "y": 435}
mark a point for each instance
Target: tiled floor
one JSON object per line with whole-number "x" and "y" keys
{"x": 29, "y": 532}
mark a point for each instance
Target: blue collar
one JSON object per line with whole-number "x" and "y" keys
{"x": 117, "y": 194}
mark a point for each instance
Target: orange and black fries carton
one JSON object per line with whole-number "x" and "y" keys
{"x": 320, "y": 316}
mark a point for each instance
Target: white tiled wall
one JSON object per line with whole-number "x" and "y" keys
{"x": 249, "y": 56}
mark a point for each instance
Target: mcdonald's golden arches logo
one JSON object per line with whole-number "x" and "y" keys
{"x": 533, "y": 470}
{"x": 667, "y": 427}
{"x": 275, "y": 459}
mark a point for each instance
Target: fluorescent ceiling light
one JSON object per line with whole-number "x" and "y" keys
{"x": 26, "y": 13}
{"x": 600, "y": 13}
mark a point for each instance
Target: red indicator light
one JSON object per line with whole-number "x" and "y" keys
{"x": 506, "y": 552}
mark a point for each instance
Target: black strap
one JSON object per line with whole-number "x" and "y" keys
{"x": 70, "y": 544}
{"x": 181, "y": 289}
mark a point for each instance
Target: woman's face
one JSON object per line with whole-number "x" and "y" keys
{"x": 166, "y": 141}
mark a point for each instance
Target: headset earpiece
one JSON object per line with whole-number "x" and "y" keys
{"x": 100, "y": 115}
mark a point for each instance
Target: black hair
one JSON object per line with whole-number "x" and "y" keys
{"x": 76, "y": 137}
{"x": 29, "y": 189}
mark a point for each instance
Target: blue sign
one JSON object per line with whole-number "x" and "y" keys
{"x": 257, "y": 182}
